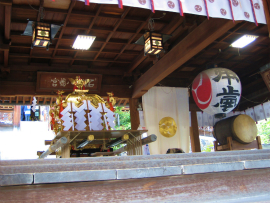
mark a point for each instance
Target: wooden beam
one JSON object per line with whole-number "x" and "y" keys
{"x": 113, "y": 31}
{"x": 6, "y": 2}
{"x": 63, "y": 68}
{"x": 194, "y": 133}
{"x": 134, "y": 114}
{"x": 66, "y": 58}
{"x": 7, "y": 32}
{"x": 11, "y": 88}
{"x": 72, "y": 4}
{"x": 137, "y": 61}
{"x": 7, "y": 21}
{"x": 125, "y": 103}
{"x": 10, "y": 99}
{"x": 267, "y": 14}
{"x": 23, "y": 100}
{"x": 4, "y": 47}
{"x": 79, "y": 13}
{"x": 72, "y": 38}
{"x": 120, "y": 101}
{"x": 17, "y": 99}
{"x": 236, "y": 28}
{"x": 44, "y": 100}
{"x": 209, "y": 31}
{"x": 6, "y": 53}
{"x": 132, "y": 38}
{"x": 105, "y": 30}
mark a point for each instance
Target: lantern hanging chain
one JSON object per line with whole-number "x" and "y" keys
{"x": 32, "y": 6}
{"x": 151, "y": 22}
{"x": 41, "y": 10}
{"x": 42, "y": 16}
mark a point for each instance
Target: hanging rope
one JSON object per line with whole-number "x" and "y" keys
{"x": 254, "y": 101}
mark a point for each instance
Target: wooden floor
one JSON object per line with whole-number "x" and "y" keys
{"x": 234, "y": 186}
{"x": 227, "y": 176}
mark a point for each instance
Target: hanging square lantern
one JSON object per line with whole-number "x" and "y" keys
{"x": 153, "y": 43}
{"x": 41, "y": 35}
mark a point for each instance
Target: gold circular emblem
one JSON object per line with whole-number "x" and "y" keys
{"x": 125, "y": 137}
{"x": 167, "y": 127}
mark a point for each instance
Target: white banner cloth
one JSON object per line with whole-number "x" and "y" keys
{"x": 160, "y": 102}
{"x": 242, "y": 9}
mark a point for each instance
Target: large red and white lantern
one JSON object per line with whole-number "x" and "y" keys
{"x": 216, "y": 90}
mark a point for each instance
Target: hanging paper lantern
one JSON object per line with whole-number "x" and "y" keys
{"x": 216, "y": 90}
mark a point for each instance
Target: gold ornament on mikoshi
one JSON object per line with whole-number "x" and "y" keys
{"x": 167, "y": 127}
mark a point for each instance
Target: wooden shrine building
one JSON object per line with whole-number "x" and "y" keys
{"x": 118, "y": 64}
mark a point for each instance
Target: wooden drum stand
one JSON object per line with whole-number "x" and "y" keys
{"x": 234, "y": 145}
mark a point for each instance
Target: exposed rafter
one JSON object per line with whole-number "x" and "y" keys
{"x": 72, "y": 4}
{"x": 87, "y": 32}
{"x": 209, "y": 31}
{"x": 7, "y": 31}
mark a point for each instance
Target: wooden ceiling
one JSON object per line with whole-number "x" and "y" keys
{"x": 195, "y": 43}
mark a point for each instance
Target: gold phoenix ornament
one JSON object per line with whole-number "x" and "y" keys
{"x": 78, "y": 82}
{"x": 167, "y": 127}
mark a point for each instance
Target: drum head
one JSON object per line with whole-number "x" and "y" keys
{"x": 244, "y": 128}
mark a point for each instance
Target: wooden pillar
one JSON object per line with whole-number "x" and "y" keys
{"x": 65, "y": 151}
{"x": 194, "y": 133}
{"x": 134, "y": 114}
{"x": 267, "y": 15}
{"x": 17, "y": 116}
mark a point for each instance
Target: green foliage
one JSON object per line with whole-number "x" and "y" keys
{"x": 264, "y": 131}
{"x": 209, "y": 148}
{"x": 124, "y": 117}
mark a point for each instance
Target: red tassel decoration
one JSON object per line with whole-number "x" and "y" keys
{"x": 180, "y": 8}
{"x": 253, "y": 10}
{"x": 230, "y": 1}
{"x": 205, "y": 2}
{"x": 60, "y": 110}
{"x": 152, "y": 6}
{"x": 120, "y": 4}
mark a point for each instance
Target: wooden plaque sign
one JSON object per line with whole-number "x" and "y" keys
{"x": 266, "y": 78}
{"x": 49, "y": 81}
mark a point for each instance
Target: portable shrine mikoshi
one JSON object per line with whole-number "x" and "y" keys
{"x": 87, "y": 121}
